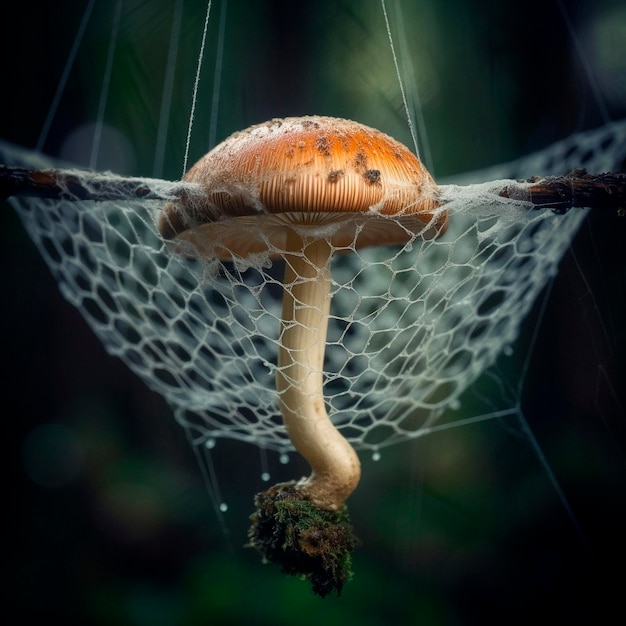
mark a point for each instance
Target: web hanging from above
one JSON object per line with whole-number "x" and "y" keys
{"x": 410, "y": 328}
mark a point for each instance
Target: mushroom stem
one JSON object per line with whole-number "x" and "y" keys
{"x": 306, "y": 302}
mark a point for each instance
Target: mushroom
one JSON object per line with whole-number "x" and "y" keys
{"x": 300, "y": 190}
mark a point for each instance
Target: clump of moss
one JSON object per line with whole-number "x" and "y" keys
{"x": 305, "y": 540}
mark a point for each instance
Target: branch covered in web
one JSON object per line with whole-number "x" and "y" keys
{"x": 84, "y": 185}
{"x": 604, "y": 192}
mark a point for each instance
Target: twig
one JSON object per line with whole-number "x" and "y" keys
{"x": 603, "y": 192}
{"x": 82, "y": 185}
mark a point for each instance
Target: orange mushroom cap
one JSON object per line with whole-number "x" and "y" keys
{"x": 332, "y": 177}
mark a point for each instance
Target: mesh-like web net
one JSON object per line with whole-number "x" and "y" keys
{"x": 410, "y": 327}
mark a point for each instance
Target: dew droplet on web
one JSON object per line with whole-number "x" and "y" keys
{"x": 455, "y": 404}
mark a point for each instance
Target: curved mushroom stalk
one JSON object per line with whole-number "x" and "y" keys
{"x": 335, "y": 465}
{"x": 304, "y": 526}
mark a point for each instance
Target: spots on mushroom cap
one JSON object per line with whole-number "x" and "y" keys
{"x": 335, "y": 175}
{"x": 309, "y": 123}
{"x": 360, "y": 160}
{"x": 372, "y": 176}
{"x": 323, "y": 145}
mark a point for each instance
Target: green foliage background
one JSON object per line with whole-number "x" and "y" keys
{"x": 457, "y": 528}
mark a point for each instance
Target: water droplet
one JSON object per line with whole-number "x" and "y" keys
{"x": 210, "y": 443}
{"x": 508, "y": 350}
{"x": 223, "y": 507}
{"x": 265, "y": 476}
{"x": 284, "y": 458}
{"x": 455, "y": 405}
{"x": 376, "y": 456}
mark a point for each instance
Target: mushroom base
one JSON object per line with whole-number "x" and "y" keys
{"x": 307, "y": 541}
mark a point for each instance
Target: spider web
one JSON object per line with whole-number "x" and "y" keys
{"x": 410, "y": 327}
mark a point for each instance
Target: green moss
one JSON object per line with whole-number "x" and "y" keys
{"x": 305, "y": 540}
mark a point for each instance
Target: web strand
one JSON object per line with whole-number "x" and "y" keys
{"x": 582, "y": 57}
{"x": 64, "y": 77}
{"x": 217, "y": 78}
{"x": 168, "y": 91}
{"x": 415, "y": 112}
{"x": 194, "y": 98}
{"x": 400, "y": 83}
{"x": 106, "y": 83}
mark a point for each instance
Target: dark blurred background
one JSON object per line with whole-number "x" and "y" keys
{"x": 109, "y": 519}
